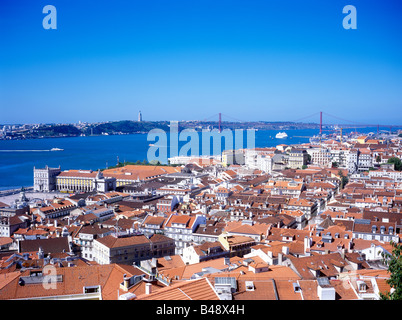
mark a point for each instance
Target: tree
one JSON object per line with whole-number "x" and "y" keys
{"x": 397, "y": 163}
{"x": 394, "y": 263}
{"x": 344, "y": 179}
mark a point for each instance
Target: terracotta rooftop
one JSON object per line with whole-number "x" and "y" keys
{"x": 199, "y": 289}
{"x": 111, "y": 241}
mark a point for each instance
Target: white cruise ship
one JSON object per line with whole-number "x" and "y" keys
{"x": 281, "y": 135}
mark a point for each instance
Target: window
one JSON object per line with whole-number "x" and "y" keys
{"x": 92, "y": 289}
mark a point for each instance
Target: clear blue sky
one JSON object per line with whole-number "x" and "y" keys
{"x": 190, "y": 59}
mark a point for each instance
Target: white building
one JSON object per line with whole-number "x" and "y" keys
{"x": 340, "y": 156}
{"x": 320, "y": 156}
{"x": 385, "y": 173}
{"x": 181, "y": 228}
{"x": 86, "y": 237}
{"x": 352, "y": 161}
{"x": 365, "y": 161}
{"x": 259, "y": 158}
{"x": 45, "y": 179}
{"x": 84, "y": 181}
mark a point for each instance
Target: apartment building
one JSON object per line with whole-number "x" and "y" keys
{"x": 365, "y": 161}
{"x": 86, "y": 236}
{"x": 181, "y": 228}
{"x": 131, "y": 249}
{"x": 230, "y": 157}
{"x": 236, "y": 245}
{"x": 352, "y": 161}
{"x": 56, "y": 209}
{"x": 259, "y": 158}
{"x": 8, "y": 225}
{"x": 320, "y": 156}
{"x": 297, "y": 158}
{"x": 340, "y": 156}
{"x": 386, "y": 173}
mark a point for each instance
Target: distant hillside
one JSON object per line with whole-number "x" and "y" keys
{"x": 54, "y": 131}
{"x": 126, "y": 127}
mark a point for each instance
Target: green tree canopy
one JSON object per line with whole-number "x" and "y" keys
{"x": 397, "y": 163}
{"x": 344, "y": 179}
{"x": 394, "y": 263}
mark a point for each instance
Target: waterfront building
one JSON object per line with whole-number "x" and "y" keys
{"x": 70, "y": 181}
{"x": 45, "y": 178}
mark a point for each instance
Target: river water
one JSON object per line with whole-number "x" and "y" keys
{"x": 18, "y": 157}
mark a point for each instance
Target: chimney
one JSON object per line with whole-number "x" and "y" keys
{"x": 306, "y": 244}
{"x": 280, "y": 259}
{"x": 148, "y": 288}
{"x": 343, "y": 253}
{"x": 126, "y": 282}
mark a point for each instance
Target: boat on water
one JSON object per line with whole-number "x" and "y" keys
{"x": 281, "y": 135}
{"x": 56, "y": 149}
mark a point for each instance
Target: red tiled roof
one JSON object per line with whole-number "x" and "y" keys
{"x": 199, "y": 289}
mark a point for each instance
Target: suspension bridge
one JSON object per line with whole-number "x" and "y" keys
{"x": 340, "y": 122}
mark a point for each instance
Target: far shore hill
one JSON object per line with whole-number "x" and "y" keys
{"x": 132, "y": 127}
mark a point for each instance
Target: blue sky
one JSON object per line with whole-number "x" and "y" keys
{"x": 183, "y": 60}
